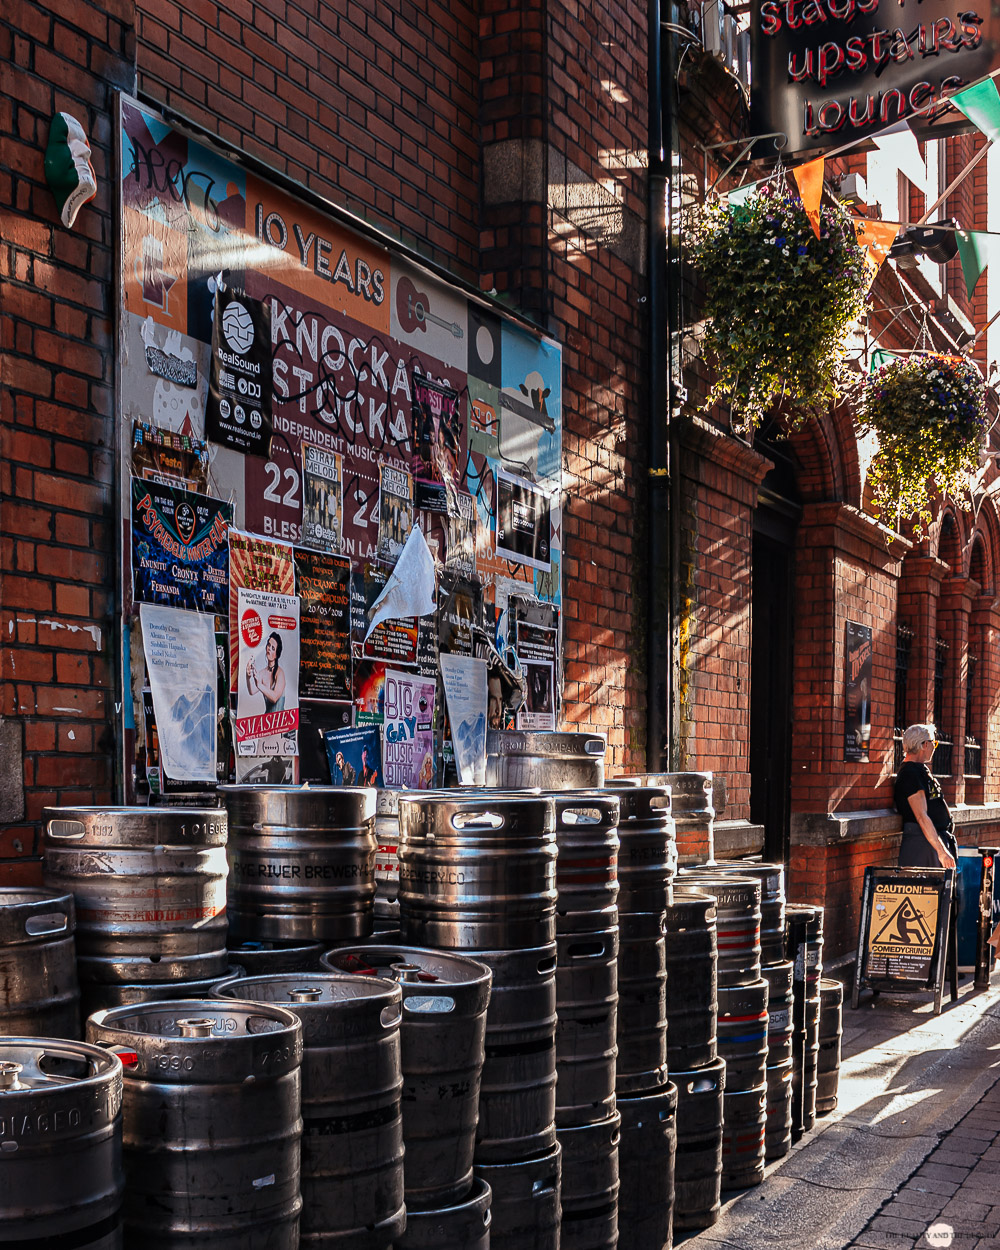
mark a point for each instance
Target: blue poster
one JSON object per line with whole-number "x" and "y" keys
{"x": 355, "y": 756}
{"x": 180, "y": 557}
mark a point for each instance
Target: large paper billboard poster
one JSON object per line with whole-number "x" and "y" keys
{"x": 357, "y": 334}
{"x": 351, "y": 326}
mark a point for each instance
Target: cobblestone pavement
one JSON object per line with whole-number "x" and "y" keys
{"x": 953, "y": 1199}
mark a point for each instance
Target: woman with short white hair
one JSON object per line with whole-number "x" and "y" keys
{"x": 928, "y": 829}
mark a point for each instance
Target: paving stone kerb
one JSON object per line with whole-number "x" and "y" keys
{"x": 914, "y": 1145}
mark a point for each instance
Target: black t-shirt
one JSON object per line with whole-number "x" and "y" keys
{"x": 913, "y": 778}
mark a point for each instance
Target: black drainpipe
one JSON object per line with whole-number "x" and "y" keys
{"x": 659, "y": 616}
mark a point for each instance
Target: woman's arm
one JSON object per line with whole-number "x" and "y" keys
{"x": 918, "y": 804}
{"x": 250, "y": 673}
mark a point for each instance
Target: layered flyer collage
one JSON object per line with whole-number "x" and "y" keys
{"x": 341, "y": 492}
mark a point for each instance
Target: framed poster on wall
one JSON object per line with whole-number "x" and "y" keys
{"x": 857, "y": 691}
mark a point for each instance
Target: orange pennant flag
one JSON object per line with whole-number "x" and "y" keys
{"x": 875, "y": 238}
{"x": 809, "y": 180}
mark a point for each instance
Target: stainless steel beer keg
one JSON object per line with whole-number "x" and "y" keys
{"x": 352, "y": 1127}
{"x": 38, "y": 983}
{"x": 463, "y": 1224}
{"x": 588, "y": 843}
{"x": 150, "y": 889}
{"x": 647, "y": 856}
{"x": 477, "y": 870}
{"x": 772, "y": 903}
{"x": 301, "y": 862}
{"x": 544, "y": 761}
{"x": 737, "y": 922}
{"x": 526, "y": 1201}
{"x": 61, "y": 1179}
{"x": 211, "y": 1122}
{"x": 442, "y": 1036}
{"x": 692, "y": 981}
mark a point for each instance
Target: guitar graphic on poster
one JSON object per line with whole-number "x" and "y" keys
{"x": 413, "y": 310}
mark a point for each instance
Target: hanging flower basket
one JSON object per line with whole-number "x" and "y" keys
{"x": 782, "y": 303}
{"x": 929, "y": 413}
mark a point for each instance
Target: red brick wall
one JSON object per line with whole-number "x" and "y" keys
{"x": 371, "y": 105}
{"x": 719, "y": 495}
{"x": 56, "y": 419}
{"x": 845, "y": 571}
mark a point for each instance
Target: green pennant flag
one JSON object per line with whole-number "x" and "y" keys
{"x": 879, "y": 358}
{"x": 740, "y": 196}
{"x": 975, "y": 250}
{"x": 981, "y": 105}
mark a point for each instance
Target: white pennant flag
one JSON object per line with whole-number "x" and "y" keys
{"x": 410, "y": 588}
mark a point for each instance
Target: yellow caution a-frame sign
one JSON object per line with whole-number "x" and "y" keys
{"x": 906, "y": 916}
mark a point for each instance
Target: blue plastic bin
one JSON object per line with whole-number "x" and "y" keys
{"x": 969, "y": 876}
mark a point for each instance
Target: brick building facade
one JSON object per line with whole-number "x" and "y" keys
{"x": 507, "y": 146}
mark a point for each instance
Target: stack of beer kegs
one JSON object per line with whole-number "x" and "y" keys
{"x": 646, "y": 1098}
{"x": 149, "y": 886}
{"x": 742, "y": 1021}
{"x": 777, "y": 972}
{"x": 386, "y": 861}
{"x": 588, "y": 1124}
{"x": 692, "y": 1054}
{"x": 804, "y": 947}
{"x": 477, "y": 875}
{"x": 442, "y": 1035}
{"x": 831, "y": 1013}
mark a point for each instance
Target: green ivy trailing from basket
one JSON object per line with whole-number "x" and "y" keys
{"x": 929, "y": 413}
{"x": 781, "y": 304}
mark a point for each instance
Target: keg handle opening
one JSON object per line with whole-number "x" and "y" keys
{"x": 51, "y": 922}
{"x": 544, "y": 1186}
{"x": 68, "y": 829}
{"x": 429, "y": 1004}
{"x": 64, "y": 1065}
{"x": 595, "y": 746}
{"x": 391, "y": 1015}
{"x": 477, "y": 820}
{"x": 581, "y": 816}
{"x": 587, "y": 950}
{"x": 546, "y": 964}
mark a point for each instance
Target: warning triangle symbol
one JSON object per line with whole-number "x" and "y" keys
{"x": 906, "y": 927}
